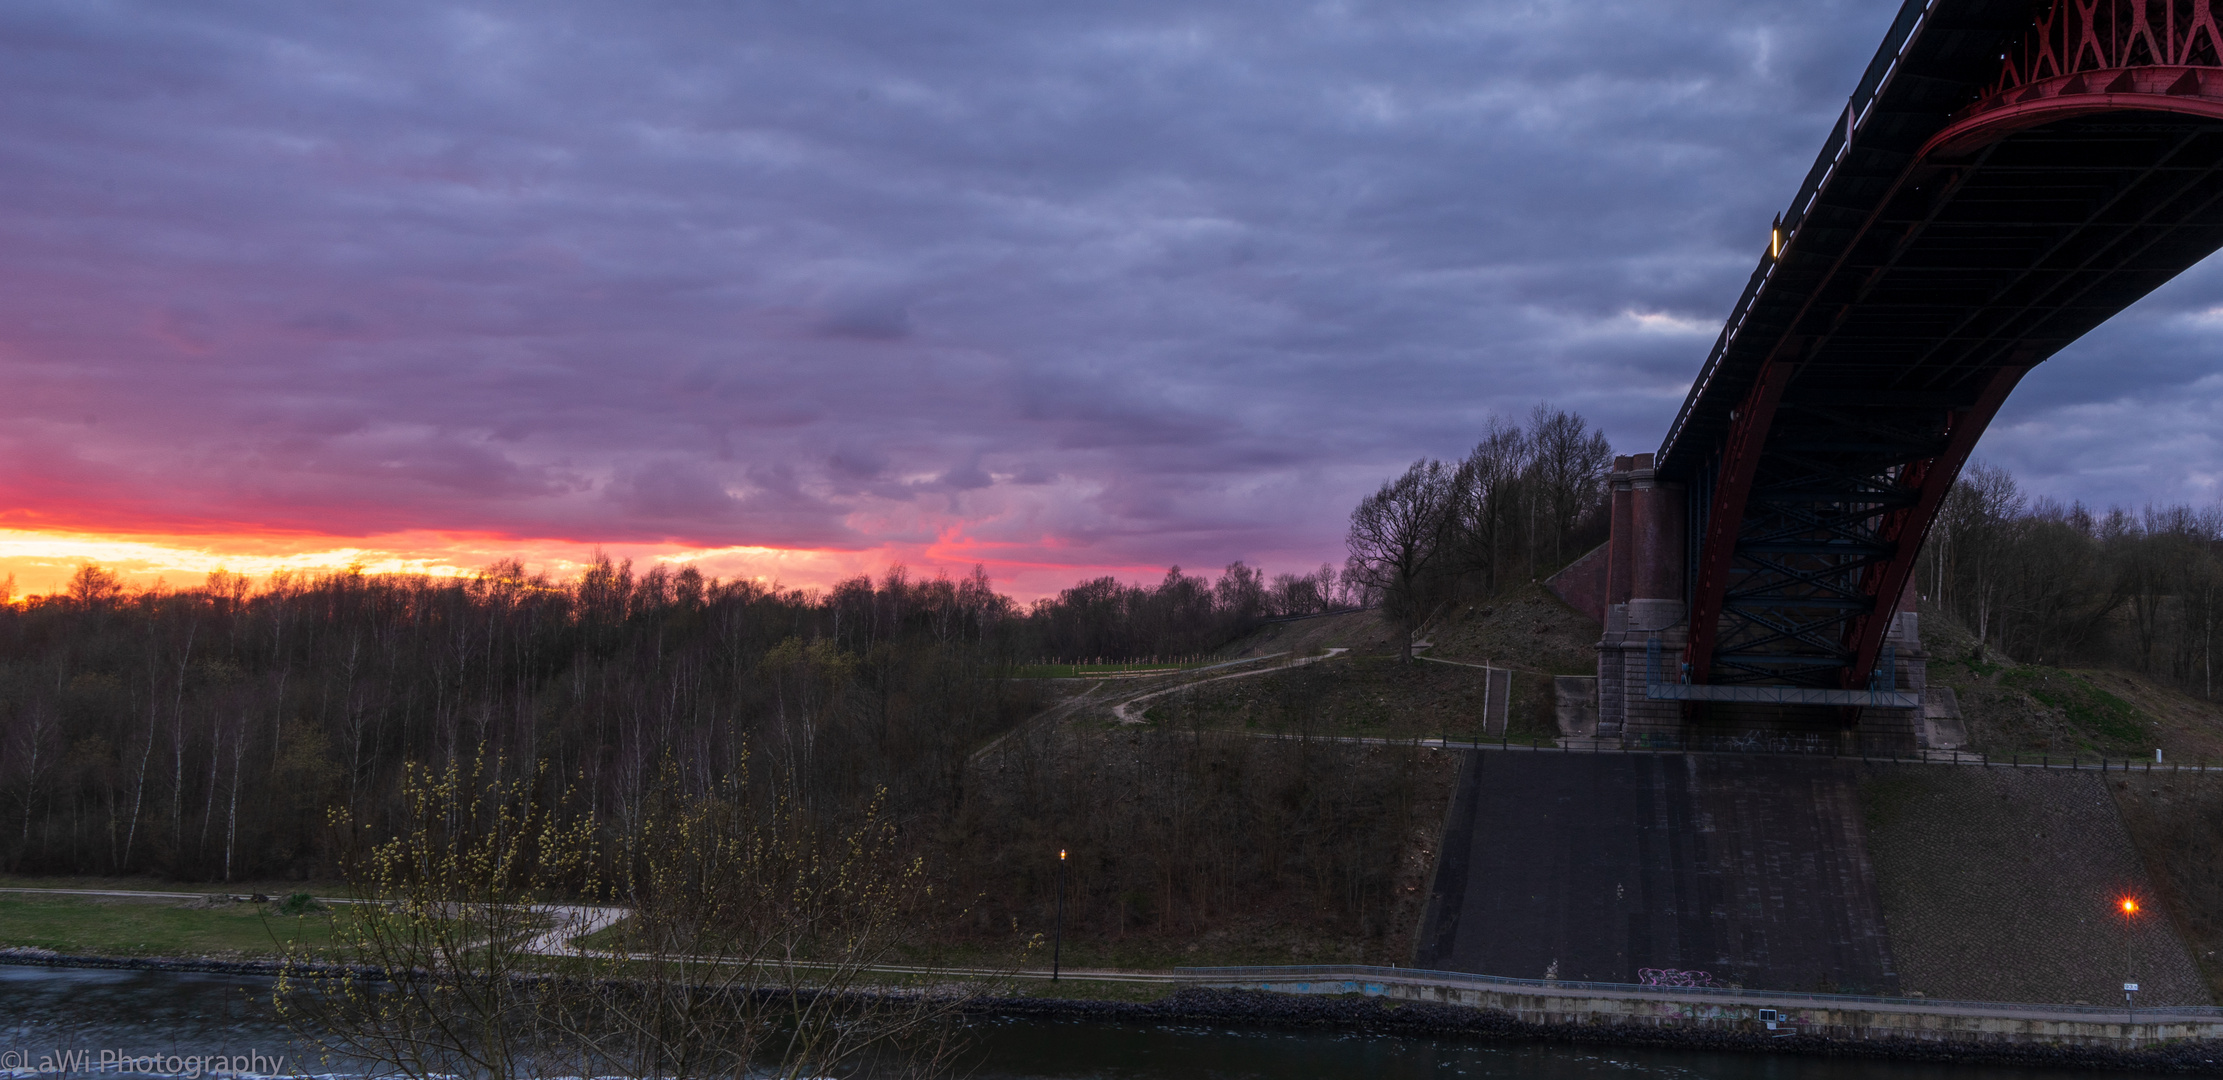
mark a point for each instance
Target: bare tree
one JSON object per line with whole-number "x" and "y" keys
{"x": 1241, "y": 592}
{"x": 761, "y": 940}
{"x": 1978, "y": 517}
{"x": 1399, "y": 544}
{"x": 434, "y": 948}
{"x": 740, "y": 936}
{"x": 1569, "y": 462}
{"x": 1487, "y": 511}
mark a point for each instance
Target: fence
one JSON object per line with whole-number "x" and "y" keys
{"x": 1366, "y": 976}
{"x": 1818, "y": 745}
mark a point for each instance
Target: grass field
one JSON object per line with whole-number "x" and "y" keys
{"x": 1372, "y": 696}
{"x": 1084, "y": 671}
{"x": 2036, "y": 709}
{"x": 104, "y": 926}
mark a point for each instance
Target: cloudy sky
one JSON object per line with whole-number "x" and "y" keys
{"x": 801, "y": 289}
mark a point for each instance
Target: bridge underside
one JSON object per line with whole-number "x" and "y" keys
{"x": 2007, "y": 176}
{"x": 1917, "y": 323}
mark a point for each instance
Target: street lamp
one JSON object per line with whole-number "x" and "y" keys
{"x": 2129, "y": 907}
{"x": 1057, "y": 936}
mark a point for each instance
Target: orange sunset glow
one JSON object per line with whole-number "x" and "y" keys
{"x": 42, "y": 561}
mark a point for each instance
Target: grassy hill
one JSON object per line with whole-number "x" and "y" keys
{"x": 1368, "y": 691}
{"x": 2015, "y": 708}
{"x": 1931, "y": 829}
{"x": 2010, "y": 708}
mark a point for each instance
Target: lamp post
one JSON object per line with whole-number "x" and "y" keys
{"x": 1057, "y": 935}
{"x": 2130, "y": 1009}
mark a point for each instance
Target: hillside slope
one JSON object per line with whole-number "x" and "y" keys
{"x": 2001, "y": 885}
{"x": 2015, "y": 708}
{"x": 1367, "y": 691}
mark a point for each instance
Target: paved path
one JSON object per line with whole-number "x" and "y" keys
{"x": 568, "y": 922}
{"x": 1253, "y": 976}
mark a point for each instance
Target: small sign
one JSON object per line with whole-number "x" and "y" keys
{"x": 2130, "y": 986}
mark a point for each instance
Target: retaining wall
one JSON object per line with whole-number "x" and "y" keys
{"x": 1841, "y": 1017}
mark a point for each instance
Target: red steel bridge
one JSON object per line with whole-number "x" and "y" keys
{"x": 2006, "y": 176}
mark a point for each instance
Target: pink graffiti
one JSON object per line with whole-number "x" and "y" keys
{"x": 1674, "y": 977}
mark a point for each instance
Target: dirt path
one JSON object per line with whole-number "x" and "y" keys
{"x": 1125, "y": 714}
{"x": 1046, "y": 716}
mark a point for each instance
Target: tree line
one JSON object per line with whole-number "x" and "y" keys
{"x": 2033, "y": 578}
{"x": 1528, "y": 499}
{"x": 204, "y": 733}
{"x": 1185, "y": 614}
{"x": 2037, "y": 580}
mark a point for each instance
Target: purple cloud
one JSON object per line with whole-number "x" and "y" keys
{"x": 1127, "y": 285}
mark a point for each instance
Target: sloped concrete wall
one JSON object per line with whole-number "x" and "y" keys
{"x": 2001, "y": 884}
{"x": 1594, "y": 867}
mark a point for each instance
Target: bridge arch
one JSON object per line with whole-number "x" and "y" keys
{"x": 2006, "y": 177}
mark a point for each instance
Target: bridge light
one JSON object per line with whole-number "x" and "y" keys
{"x": 1775, "y": 238}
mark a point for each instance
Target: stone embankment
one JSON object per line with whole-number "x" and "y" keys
{"x": 1571, "y": 1018}
{"x": 1845, "y": 1016}
{"x": 35, "y": 957}
{"x": 1403, "y": 1002}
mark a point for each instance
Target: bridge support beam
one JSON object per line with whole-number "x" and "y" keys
{"x": 1748, "y": 434}
{"x": 1907, "y": 527}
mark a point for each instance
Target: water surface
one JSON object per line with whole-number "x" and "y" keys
{"x": 46, "y": 1011}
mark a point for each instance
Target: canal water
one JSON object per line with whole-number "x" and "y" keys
{"x": 49, "y": 1014}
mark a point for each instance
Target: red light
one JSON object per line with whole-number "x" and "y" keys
{"x": 2130, "y": 906}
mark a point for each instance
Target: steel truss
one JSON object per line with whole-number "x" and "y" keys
{"x": 2094, "y": 35}
{"x": 1813, "y": 535}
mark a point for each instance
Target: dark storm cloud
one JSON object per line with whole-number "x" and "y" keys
{"x": 1168, "y": 281}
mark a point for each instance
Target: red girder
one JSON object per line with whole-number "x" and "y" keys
{"x": 2090, "y": 56}
{"x": 2089, "y": 35}
{"x": 2120, "y": 55}
{"x": 1906, "y": 527}
{"x": 1740, "y": 459}
{"x": 2193, "y": 91}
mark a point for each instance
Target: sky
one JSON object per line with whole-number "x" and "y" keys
{"x": 801, "y": 290}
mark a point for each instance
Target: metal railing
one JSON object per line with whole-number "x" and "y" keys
{"x": 1882, "y": 691}
{"x": 1880, "y": 749}
{"x": 1835, "y": 147}
{"x": 1364, "y": 975}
